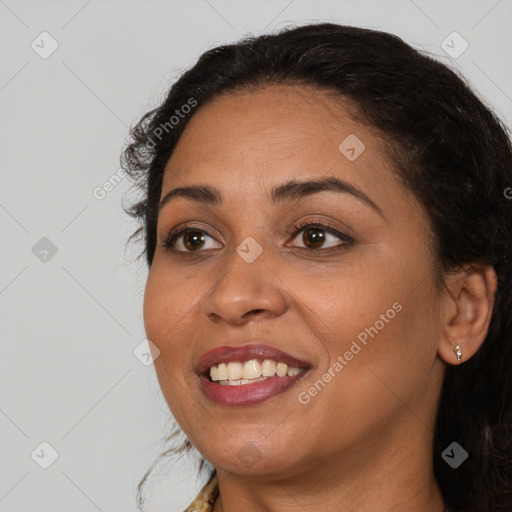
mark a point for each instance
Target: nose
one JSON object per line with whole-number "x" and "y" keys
{"x": 244, "y": 291}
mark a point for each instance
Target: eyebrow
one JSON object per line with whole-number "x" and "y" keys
{"x": 291, "y": 190}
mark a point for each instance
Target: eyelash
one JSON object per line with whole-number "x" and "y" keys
{"x": 169, "y": 242}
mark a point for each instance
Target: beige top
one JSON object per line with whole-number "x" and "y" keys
{"x": 206, "y": 498}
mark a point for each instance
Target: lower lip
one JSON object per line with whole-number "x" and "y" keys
{"x": 247, "y": 394}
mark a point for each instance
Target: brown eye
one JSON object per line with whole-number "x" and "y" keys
{"x": 190, "y": 239}
{"x": 321, "y": 237}
{"x": 313, "y": 238}
{"x": 193, "y": 240}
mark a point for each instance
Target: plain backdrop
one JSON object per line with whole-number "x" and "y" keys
{"x": 74, "y": 76}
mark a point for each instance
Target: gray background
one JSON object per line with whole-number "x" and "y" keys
{"x": 70, "y": 321}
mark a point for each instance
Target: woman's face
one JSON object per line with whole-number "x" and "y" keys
{"x": 357, "y": 305}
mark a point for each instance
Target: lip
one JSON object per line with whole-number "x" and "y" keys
{"x": 226, "y": 354}
{"x": 247, "y": 394}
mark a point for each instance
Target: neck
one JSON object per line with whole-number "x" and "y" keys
{"x": 380, "y": 475}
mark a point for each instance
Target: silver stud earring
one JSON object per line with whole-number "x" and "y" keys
{"x": 458, "y": 353}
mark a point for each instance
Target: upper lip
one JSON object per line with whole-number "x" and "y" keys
{"x": 225, "y": 354}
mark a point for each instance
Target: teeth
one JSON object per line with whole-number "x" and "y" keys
{"x": 222, "y": 372}
{"x": 236, "y": 373}
{"x": 282, "y": 369}
{"x": 235, "y": 370}
{"x": 240, "y": 381}
{"x": 268, "y": 368}
{"x": 251, "y": 369}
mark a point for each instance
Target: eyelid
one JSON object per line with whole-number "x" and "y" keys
{"x": 300, "y": 226}
{"x": 170, "y": 240}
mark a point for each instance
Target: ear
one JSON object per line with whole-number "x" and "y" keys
{"x": 466, "y": 308}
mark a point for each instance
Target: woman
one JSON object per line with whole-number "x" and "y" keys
{"x": 329, "y": 243}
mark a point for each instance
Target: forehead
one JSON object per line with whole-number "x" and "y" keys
{"x": 260, "y": 138}
{"x": 282, "y": 120}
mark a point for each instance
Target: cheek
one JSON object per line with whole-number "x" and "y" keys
{"x": 341, "y": 301}
{"x": 372, "y": 365}
{"x": 381, "y": 317}
{"x": 170, "y": 302}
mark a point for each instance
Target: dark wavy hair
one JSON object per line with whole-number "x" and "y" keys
{"x": 448, "y": 148}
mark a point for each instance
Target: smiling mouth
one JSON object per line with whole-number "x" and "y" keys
{"x": 238, "y": 373}
{"x": 247, "y": 374}
{"x": 227, "y": 385}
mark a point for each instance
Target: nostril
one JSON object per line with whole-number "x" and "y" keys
{"x": 254, "y": 311}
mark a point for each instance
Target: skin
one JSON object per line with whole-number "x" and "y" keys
{"x": 363, "y": 443}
